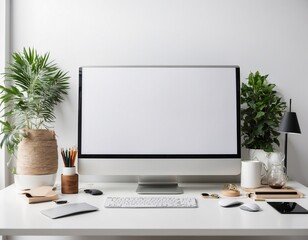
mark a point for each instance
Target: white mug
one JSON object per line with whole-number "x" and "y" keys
{"x": 251, "y": 174}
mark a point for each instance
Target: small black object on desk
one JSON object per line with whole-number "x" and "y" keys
{"x": 60, "y": 201}
{"x": 93, "y": 191}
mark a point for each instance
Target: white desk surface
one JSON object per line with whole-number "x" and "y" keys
{"x": 19, "y": 218}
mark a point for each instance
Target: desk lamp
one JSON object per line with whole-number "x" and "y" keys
{"x": 289, "y": 124}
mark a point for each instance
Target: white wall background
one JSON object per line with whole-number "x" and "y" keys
{"x": 269, "y": 36}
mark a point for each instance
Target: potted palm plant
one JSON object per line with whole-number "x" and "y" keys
{"x": 33, "y": 87}
{"x": 261, "y": 112}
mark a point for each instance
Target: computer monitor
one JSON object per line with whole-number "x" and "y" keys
{"x": 159, "y": 120}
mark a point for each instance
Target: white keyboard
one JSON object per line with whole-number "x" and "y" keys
{"x": 151, "y": 202}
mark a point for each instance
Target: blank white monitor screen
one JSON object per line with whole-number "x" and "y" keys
{"x": 153, "y": 112}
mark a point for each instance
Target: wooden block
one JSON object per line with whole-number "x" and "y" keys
{"x": 69, "y": 184}
{"x": 231, "y": 193}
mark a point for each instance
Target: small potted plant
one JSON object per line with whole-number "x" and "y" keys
{"x": 33, "y": 87}
{"x": 261, "y": 112}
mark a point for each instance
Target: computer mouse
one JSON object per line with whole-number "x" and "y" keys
{"x": 93, "y": 191}
{"x": 229, "y": 202}
{"x": 250, "y": 207}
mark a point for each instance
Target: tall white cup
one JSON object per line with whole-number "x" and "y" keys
{"x": 251, "y": 174}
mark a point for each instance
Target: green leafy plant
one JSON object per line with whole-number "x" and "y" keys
{"x": 33, "y": 87}
{"x": 261, "y": 112}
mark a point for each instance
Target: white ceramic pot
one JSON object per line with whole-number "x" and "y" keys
{"x": 261, "y": 156}
{"x": 23, "y": 182}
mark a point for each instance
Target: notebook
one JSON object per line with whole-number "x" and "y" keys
{"x": 68, "y": 210}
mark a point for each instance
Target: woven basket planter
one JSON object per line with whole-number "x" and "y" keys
{"x": 37, "y": 153}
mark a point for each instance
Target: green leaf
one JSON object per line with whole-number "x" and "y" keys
{"x": 260, "y": 114}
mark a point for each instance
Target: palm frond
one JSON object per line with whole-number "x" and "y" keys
{"x": 34, "y": 86}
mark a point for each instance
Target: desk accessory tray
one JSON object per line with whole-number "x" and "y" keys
{"x": 40, "y": 194}
{"x": 266, "y": 192}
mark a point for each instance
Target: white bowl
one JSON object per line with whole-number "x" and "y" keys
{"x": 23, "y": 182}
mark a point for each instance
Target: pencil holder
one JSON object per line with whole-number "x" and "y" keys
{"x": 69, "y": 180}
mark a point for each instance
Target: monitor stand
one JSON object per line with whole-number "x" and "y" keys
{"x": 158, "y": 185}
